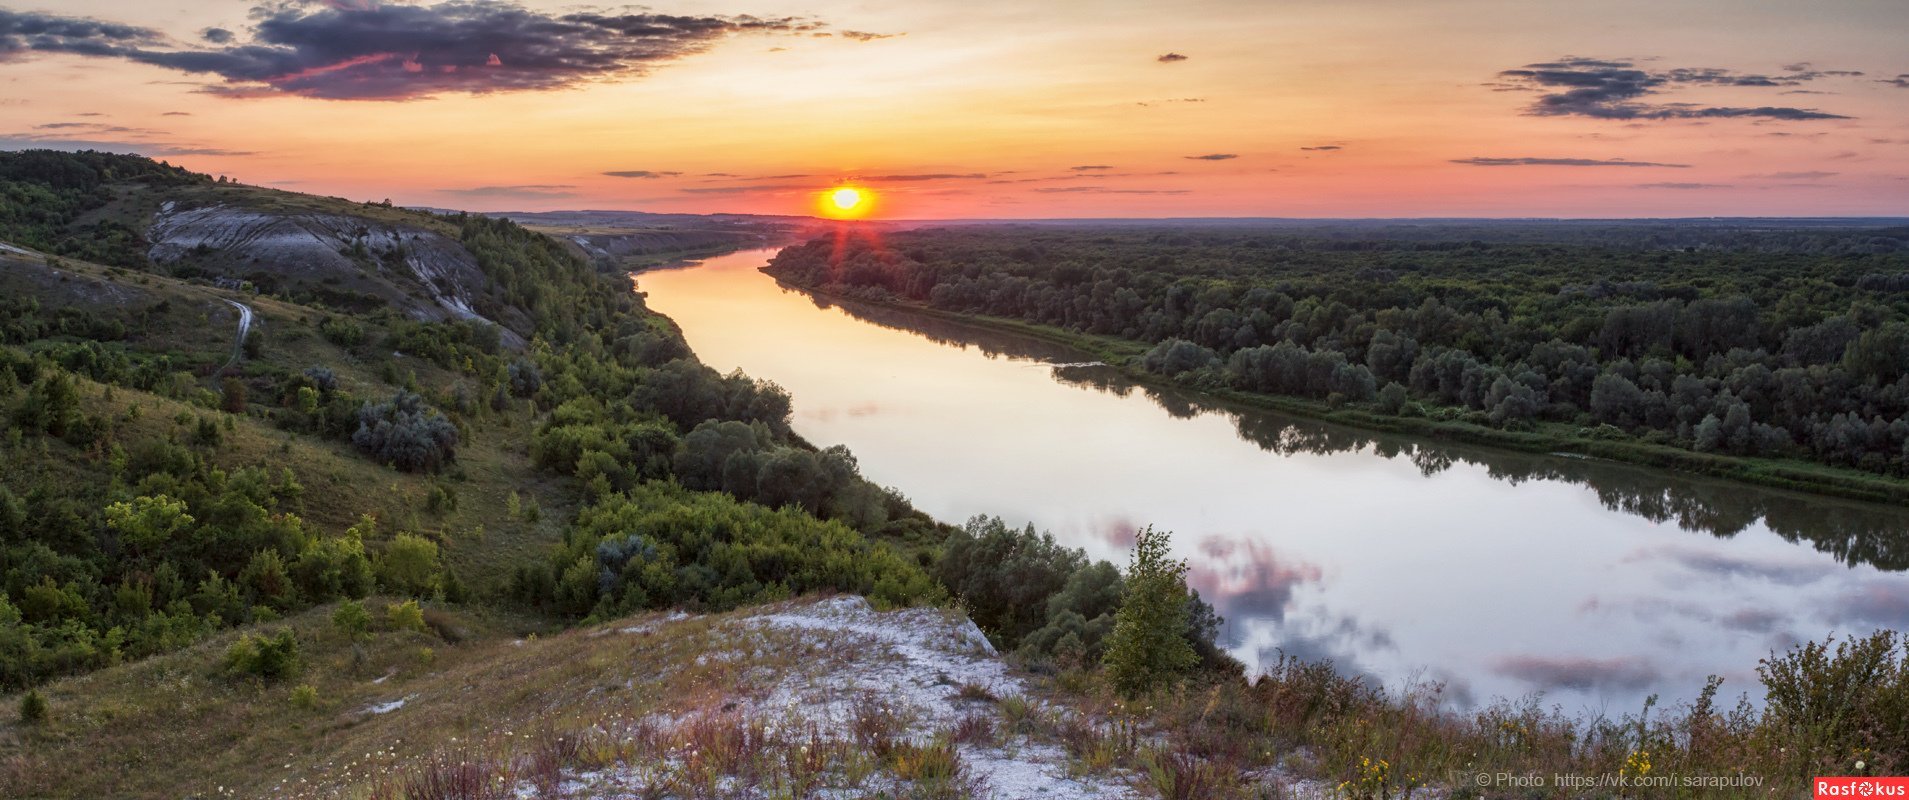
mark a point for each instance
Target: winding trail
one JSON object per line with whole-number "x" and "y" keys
{"x": 245, "y": 327}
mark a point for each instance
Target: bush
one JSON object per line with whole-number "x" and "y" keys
{"x": 1148, "y": 647}
{"x": 352, "y": 618}
{"x": 406, "y": 433}
{"x": 405, "y": 616}
{"x": 305, "y": 697}
{"x": 268, "y": 657}
{"x": 33, "y": 709}
{"x": 409, "y": 565}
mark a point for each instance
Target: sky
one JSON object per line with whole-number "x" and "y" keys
{"x": 995, "y": 108}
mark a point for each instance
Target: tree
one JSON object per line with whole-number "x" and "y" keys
{"x": 232, "y": 393}
{"x": 147, "y": 524}
{"x": 1148, "y": 647}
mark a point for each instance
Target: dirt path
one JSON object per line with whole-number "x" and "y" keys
{"x": 245, "y": 327}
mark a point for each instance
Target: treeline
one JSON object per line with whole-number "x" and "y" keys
{"x": 1739, "y": 351}
{"x": 45, "y": 193}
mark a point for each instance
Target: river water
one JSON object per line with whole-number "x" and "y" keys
{"x": 1497, "y": 574}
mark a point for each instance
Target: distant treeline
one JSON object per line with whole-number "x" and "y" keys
{"x": 1756, "y": 351}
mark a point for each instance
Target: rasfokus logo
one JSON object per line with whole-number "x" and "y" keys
{"x": 1861, "y": 787}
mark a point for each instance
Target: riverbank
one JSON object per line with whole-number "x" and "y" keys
{"x": 1555, "y": 438}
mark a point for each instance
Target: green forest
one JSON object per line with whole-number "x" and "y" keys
{"x": 1777, "y": 351}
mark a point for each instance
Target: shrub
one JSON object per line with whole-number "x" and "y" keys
{"x": 1148, "y": 647}
{"x": 406, "y": 433}
{"x": 268, "y": 657}
{"x": 33, "y": 709}
{"x": 409, "y": 565}
{"x": 352, "y": 618}
{"x": 305, "y": 697}
{"x": 405, "y": 616}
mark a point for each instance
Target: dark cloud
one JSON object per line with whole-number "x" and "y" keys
{"x": 368, "y": 51}
{"x": 1323, "y": 147}
{"x": 1616, "y": 90}
{"x": 1794, "y": 176}
{"x": 865, "y": 36}
{"x": 1170, "y": 58}
{"x": 1579, "y": 673}
{"x": 23, "y": 32}
{"x": 1214, "y": 157}
{"x": 1900, "y": 81}
{"x": 1091, "y": 167}
{"x": 1677, "y": 185}
{"x": 531, "y": 191}
{"x": 1480, "y": 161}
{"x": 642, "y": 173}
{"x": 216, "y": 35}
{"x": 177, "y": 114}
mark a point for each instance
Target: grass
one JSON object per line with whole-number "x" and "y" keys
{"x": 1548, "y": 437}
{"x": 511, "y": 704}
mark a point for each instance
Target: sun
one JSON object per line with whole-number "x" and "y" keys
{"x": 846, "y": 202}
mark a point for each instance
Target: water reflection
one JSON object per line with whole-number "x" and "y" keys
{"x": 1497, "y": 573}
{"x": 1855, "y": 533}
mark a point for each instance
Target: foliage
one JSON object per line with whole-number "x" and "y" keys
{"x": 351, "y": 618}
{"x": 1148, "y": 647}
{"x": 405, "y": 616}
{"x": 409, "y": 565}
{"x": 33, "y": 709}
{"x": 268, "y": 657}
{"x": 406, "y": 433}
{"x": 661, "y": 546}
{"x": 1760, "y": 343}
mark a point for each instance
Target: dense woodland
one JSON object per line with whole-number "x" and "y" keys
{"x": 1785, "y": 344}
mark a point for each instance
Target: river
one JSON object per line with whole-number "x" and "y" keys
{"x": 1498, "y": 575}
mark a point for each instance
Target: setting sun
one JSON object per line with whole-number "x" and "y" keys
{"x": 846, "y": 202}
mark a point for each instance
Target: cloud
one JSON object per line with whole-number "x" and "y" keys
{"x": 216, "y": 35}
{"x": 1729, "y": 565}
{"x": 865, "y": 36}
{"x": 1900, "y": 81}
{"x": 933, "y": 176}
{"x": 1104, "y": 190}
{"x": 1091, "y": 167}
{"x": 531, "y": 191}
{"x": 1214, "y": 157}
{"x": 1615, "y": 90}
{"x": 23, "y": 141}
{"x": 177, "y": 114}
{"x": 1323, "y": 148}
{"x": 642, "y": 173}
{"x": 1577, "y": 672}
{"x": 1882, "y": 603}
{"x": 1794, "y": 176}
{"x": 1479, "y": 161}
{"x": 1676, "y": 185}
{"x": 1170, "y": 58}
{"x": 369, "y": 51}
{"x": 746, "y": 188}
{"x": 1247, "y": 579}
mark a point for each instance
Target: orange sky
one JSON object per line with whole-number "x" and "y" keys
{"x": 990, "y": 108}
